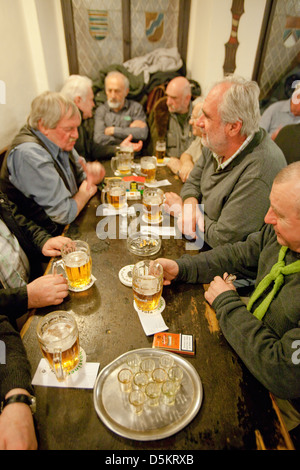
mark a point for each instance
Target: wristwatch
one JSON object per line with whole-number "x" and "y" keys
{"x": 29, "y": 400}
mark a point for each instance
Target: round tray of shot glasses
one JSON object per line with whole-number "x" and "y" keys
{"x": 148, "y": 394}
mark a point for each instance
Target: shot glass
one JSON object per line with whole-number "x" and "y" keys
{"x": 175, "y": 375}
{"x": 159, "y": 376}
{"x": 137, "y": 399}
{"x": 147, "y": 366}
{"x": 133, "y": 361}
{"x": 152, "y": 391}
{"x": 166, "y": 361}
{"x": 140, "y": 380}
{"x": 169, "y": 390}
{"x": 125, "y": 380}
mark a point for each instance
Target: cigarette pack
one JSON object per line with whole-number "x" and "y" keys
{"x": 174, "y": 342}
{"x": 134, "y": 186}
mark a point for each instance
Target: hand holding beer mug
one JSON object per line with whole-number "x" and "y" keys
{"x": 148, "y": 168}
{"x": 153, "y": 199}
{"x": 58, "y": 338}
{"x": 121, "y": 163}
{"x": 77, "y": 264}
{"x": 147, "y": 284}
{"x": 160, "y": 149}
{"x": 114, "y": 193}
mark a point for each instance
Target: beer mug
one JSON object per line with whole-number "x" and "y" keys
{"x": 58, "y": 339}
{"x": 160, "y": 149}
{"x": 77, "y": 264}
{"x": 114, "y": 193}
{"x": 147, "y": 284}
{"x": 153, "y": 199}
{"x": 127, "y": 149}
{"x": 148, "y": 168}
{"x": 121, "y": 163}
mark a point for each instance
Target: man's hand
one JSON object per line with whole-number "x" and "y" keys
{"x": 136, "y": 146}
{"x": 217, "y": 287}
{"x": 173, "y": 204}
{"x": 50, "y": 289}
{"x": 190, "y": 217}
{"x": 171, "y": 269}
{"x": 94, "y": 171}
{"x": 185, "y": 170}
{"x": 109, "y": 130}
{"x": 53, "y": 246}
{"x": 16, "y": 426}
{"x": 138, "y": 123}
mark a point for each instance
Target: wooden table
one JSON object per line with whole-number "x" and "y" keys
{"x": 236, "y": 411}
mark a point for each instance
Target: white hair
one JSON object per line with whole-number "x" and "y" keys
{"x": 50, "y": 107}
{"x": 115, "y": 73}
{"x": 241, "y": 103}
{"x": 77, "y": 85}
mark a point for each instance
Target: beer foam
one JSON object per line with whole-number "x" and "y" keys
{"x": 76, "y": 259}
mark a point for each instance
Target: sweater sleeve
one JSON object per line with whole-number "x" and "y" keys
{"x": 15, "y": 372}
{"x": 272, "y": 360}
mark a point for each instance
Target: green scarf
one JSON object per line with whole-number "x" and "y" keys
{"x": 277, "y": 273}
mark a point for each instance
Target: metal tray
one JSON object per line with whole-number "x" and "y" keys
{"x": 160, "y": 422}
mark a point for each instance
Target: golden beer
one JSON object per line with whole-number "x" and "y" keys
{"x": 116, "y": 197}
{"x": 124, "y": 169}
{"x": 160, "y": 156}
{"x": 160, "y": 149}
{"x": 147, "y": 284}
{"x": 59, "y": 342}
{"x": 149, "y": 171}
{"x": 152, "y": 201}
{"x": 78, "y": 269}
{"x": 146, "y": 295}
{"x": 148, "y": 168}
{"x": 69, "y": 357}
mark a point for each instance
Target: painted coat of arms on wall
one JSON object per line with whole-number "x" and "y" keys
{"x": 98, "y": 24}
{"x": 154, "y": 26}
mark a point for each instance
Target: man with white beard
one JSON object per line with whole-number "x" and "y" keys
{"x": 118, "y": 117}
{"x": 233, "y": 177}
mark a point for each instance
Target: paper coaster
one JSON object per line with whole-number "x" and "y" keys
{"x": 81, "y": 289}
{"x": 125, "y": 275}
{"x": 160, "y": 308}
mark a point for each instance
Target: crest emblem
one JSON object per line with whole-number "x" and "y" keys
{"x": 98, "y": 24}
{"x": 154, "y": 26}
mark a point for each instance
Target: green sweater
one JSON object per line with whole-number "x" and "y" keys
{"x": 266, "y": 347}
{"x": 235, "y": 199}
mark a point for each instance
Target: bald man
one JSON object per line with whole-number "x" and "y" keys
{"x": 180, "y": 132}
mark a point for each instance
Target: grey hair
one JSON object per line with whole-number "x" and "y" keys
{"x": 50, "y": 107}
{"x": 77, "y": 85}
{"x": 115, "y": 73}
{"x": 241, "y": 103}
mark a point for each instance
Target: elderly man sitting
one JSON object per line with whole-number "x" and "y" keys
{"x": 233, "y": 177}
{"x": 42, "y": 173}
{"x": 266, "y": 332}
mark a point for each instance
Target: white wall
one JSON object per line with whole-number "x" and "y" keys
{"x": 33, "y": 53}
{"x": 32, "y": 57}
{"x": 210, "y": 28}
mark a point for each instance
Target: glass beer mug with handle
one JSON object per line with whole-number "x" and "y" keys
{"x": 114, "y": 193}
{"x": 58, "y": 339}
{"x": 121, "y": 164}
{"x": 153, "y": 199}
{"x": 147, "y": 284}
{"x": 77, "y": 263}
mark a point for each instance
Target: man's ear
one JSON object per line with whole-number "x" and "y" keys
{"x": 77, "y": 100}
{"x": 42, "y": 128}
{"x": 234, "y": 128}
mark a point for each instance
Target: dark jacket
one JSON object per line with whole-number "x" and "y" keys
{"x": 14, "y": 302}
